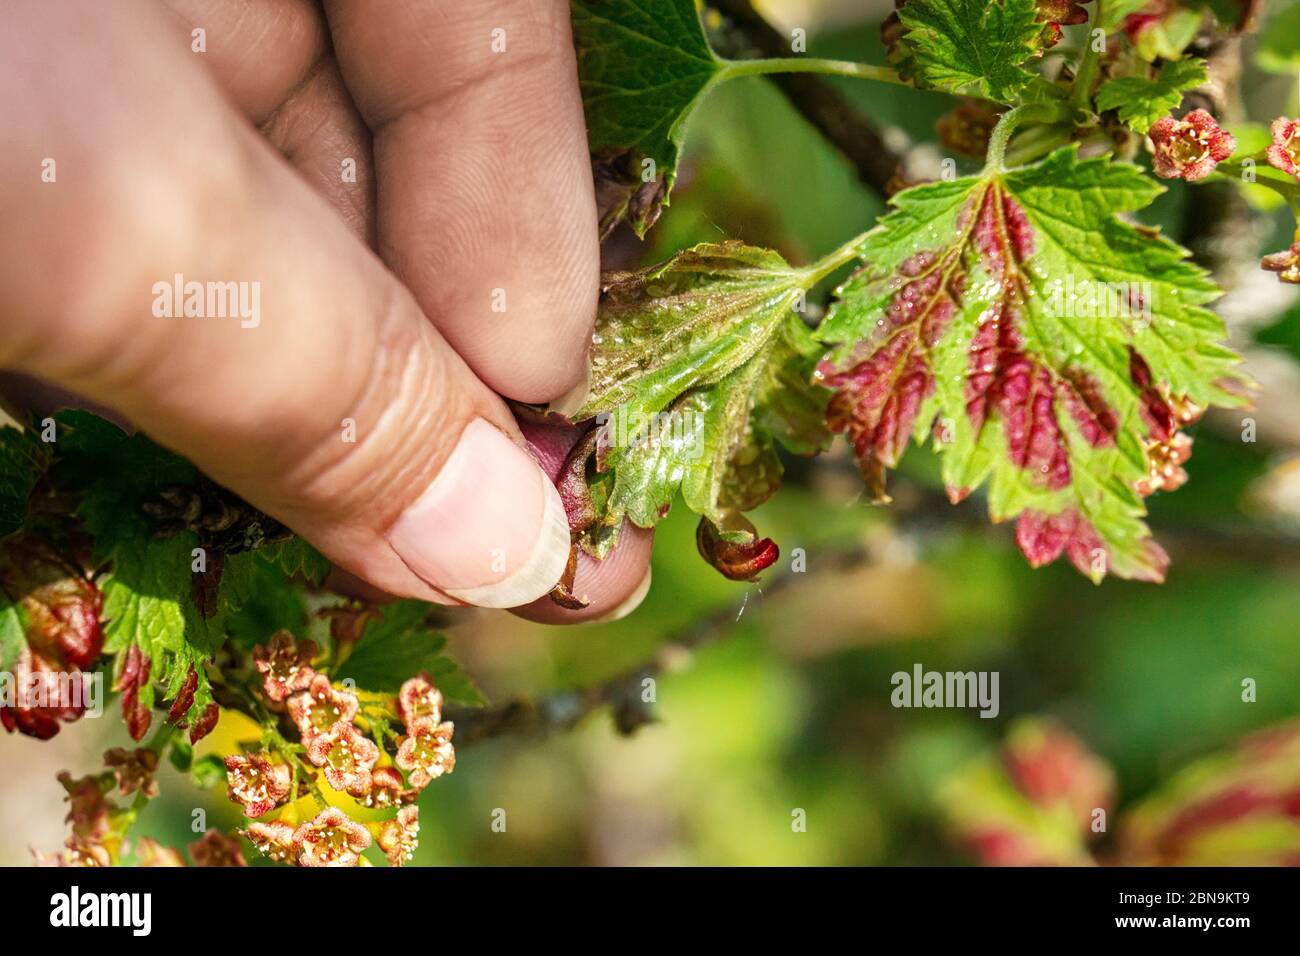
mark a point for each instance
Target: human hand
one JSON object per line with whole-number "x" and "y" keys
{"x": 351, "y": 393}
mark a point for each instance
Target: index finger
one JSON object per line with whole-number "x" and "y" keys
{"x": 486, "y": 208}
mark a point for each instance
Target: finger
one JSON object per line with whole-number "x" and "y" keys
{"x": 274, "y": 62}
{"x": 480, "y": 150}
{"x": 614, "y": 586}
{"x": 295, "y": 370}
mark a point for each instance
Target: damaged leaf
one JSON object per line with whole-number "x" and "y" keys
{"x": 700, "y": 366}
{"x": 1049, "y": 349}
{"x": 642, "y": 67}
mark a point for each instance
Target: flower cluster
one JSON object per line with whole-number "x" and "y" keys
{"x": 379, "y": 749}
{"x": 1284, "y": 154}
{"x": 99, "y": 826}
{"x": 426, "y": 753}
{"x": 341, "y": 744}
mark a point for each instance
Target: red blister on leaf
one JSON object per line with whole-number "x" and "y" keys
{"x": 62, "y": 635}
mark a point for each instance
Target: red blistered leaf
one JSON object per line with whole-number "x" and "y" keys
{"x": 133, "y": 678}
{"x": 999, "y": 315}
{"x": 877, "y": 399}
{"x": 205, "y": 723}
{"x": 184, "y": 698}
{"x": 59, "y": 609}
{"x": 1051, "y": 766}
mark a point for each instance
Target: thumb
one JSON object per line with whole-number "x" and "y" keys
{"x": 228, "y": 312}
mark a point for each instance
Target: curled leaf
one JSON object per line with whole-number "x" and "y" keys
{"x": 700, "y": 366}
{"x": 562, "y": 594}
{"x": 50, "y": 634}
{"x": 738, "y": 554}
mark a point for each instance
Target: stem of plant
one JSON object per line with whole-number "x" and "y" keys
{"x": 1011, "y": 120}
{"x": 1290, "y": 191}
{"x": 802, "y": 64}
{"x": 829, "y": 263}
{"x": 1037, "y": 143}
{"x": 1081, "y": 91}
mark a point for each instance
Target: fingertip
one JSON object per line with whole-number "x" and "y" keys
{"x": 613, "y": 587}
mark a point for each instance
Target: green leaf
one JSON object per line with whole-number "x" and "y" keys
{"x": 22, "y": 461}
{"x": 642, "y": 67}
{"x": 698, "y": 366}
{"x": 1049, "y": 348}
{"x": 1141, "y": 101}
{"x": 208, "y": 771}
{"x": 147, "y": 593}
{"x": 273, "y": 602}
{"x": 296, "y": 557}
{"x": 12, "y": 633}
{"x": 180, "y": 753}
{"x": 1167, "y": 37}
{"x": 972, "y": 47}
{"x": 1114, "y": 12}
{"x": 400, "y": 645}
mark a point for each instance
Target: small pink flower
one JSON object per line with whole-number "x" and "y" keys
{"x": 1189, "y": 148}
{"x": 285, "y": 665}
{"x": 331, "y": 839}
{"x": 134, "y": 770}
{"x": 274, "y": 840}
{"x": 1285, "y": 151}
{"x": 89, "y": 811}
{"x": 427, "y": 753}
{"x": 76, "y": 852}
{"x": 258, "y": 784}
{"x": 385, "y": 788}
{"x": 346, "y": 755}
{"x": 320, "y": 707}
{"x": 419, "y": 698}
{"x": 151, "y": 853}
{"x": 1285, "y": 263}
{"x": 214, "y": 848}
{"x": 398, "y": 837}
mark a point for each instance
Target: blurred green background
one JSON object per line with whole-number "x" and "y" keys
{"x": 791, "y": 710}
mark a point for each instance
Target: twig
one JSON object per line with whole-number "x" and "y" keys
{"x": 819, "y": 102}
{"x": 918, "y": 510}
{"x": 1218, "y": 227}
{"x": 623, "y": 693}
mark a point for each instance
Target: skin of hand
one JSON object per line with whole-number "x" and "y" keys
{"x": 401, "y": 191}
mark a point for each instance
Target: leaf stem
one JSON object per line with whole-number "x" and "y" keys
{"x": 1010, "y": 121}
{"x": 1288, "y": 190}
{"x": 810, "y": 64}
{"x": 1081, "y": 91}
{"x": 829, "y": 263}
